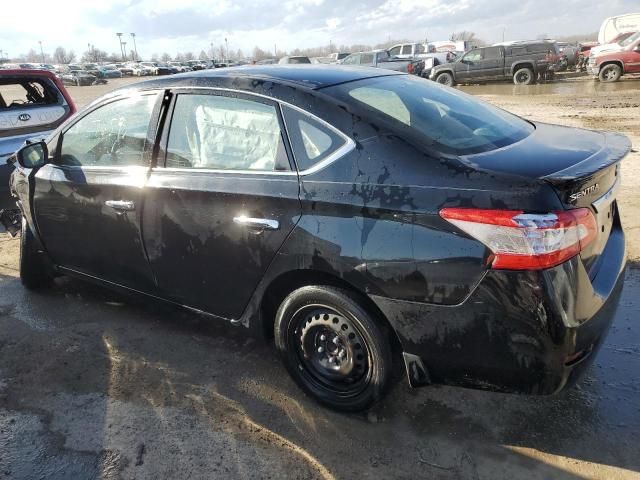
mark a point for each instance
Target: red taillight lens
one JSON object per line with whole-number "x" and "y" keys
{"x": 526, "y": 241}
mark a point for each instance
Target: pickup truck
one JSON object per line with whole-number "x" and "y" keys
{"x": 610, "y": 65}
{"x": 521, "y": 62}
{"x": 382, "y": 59}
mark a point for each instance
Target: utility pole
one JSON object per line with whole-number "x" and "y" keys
{"x": 135, "y": 48}
{"x": 227, "y": 49}
{"x": 41, "y": 51}
{"x": 124, "y": 50}
{"x": 503, "y": 30}
{"x": 212, "y": 52}
{"x": 119, "y": 34}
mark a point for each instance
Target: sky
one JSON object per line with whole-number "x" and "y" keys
{"x": 193, "y": 25}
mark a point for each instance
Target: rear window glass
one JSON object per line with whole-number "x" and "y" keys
{"x": 439, "y": 117}
{"x": 312, "y": 141}
{"x": 16, "y": 93}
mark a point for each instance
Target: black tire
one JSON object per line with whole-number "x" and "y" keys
{"x": 445, "y": 78}
{"x": 610, "y": 73}
{"x": 524, "y": 76}
{"x": 33, "y": 271}
{"x": 333, "y": 348}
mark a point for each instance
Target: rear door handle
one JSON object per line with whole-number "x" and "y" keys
{"x": 122, "y": 205}
{"x": 257, "y": 223}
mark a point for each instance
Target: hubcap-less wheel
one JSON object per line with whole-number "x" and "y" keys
{"x": 523, "y": 76}
{"x": 331, "y": 351}
{"x": 445, "y": 79}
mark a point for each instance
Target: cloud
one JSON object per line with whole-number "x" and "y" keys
{"x": 170, "y": 25}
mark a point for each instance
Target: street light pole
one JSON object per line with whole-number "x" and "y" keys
{"x": 124, "y": 49}
{"x": 119, "y": 34}
{"x": 226, "y": 43}
{"x": 41, "y": 51}
{"x": 135, "y": 48}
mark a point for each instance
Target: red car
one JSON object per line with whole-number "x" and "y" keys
{"x": 609, "y": 66}
{"x": 32, "y": 104}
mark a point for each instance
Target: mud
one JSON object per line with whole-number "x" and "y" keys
{"x": 99, "y": 385}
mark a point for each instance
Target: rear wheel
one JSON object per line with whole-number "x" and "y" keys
{"x": 33, "y": 271}
{"x": 445, "y": 78}
{"x": 523, "y": 76}
{"x": 333, "y": 348}
{"x": 610, "y": 73}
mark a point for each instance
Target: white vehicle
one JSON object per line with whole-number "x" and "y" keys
{"x": 613, "y": 26}
{"x": 417, "y": 50}
{"x": 180, "y": 66}
{"x": 617, "y": 43}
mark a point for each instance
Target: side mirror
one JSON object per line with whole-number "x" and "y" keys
{"x": 33, "y": 155}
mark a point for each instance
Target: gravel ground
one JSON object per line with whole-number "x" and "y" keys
{"x": 96, "y": 384}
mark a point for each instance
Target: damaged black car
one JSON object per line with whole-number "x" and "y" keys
{"x": 365, "y": 219}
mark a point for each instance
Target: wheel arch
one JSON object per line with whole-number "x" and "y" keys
{"x": 524, "y": 64}
{"x": 285, "y": 283}
{"x": 611, "y": 62}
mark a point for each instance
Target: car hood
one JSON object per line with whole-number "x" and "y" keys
{"x": 608, "y": 47}
{"x": 554, "y": 152}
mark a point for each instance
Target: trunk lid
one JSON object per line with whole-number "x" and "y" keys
{"x": 582, "y": 166}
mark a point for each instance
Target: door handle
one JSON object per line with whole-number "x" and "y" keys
{"x": 256, "y": 223}
{"x": 122, "y": 205}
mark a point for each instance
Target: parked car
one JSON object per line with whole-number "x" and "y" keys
{"x": 196, "y": 65}
{"x": 180, "y": 67}
{"x": 110, "y": 71}
{"x": 123, "y": 68}
{"x": 521, "y": 62}
{"x": 32, "y": 103}
{"x": 610, "y": 65}
{"x": 164, "y": 69}
{"x": 294, "y": 59}
{"x": 140, "y": 70}
{"x": 382, "y": 59}
{"x": 267, "y": 61}
{"x": 615, "y": 44}
{"x": 79, "y": 78}
{"x": 477, "y": 248}
{"x": 569, "y": 53}
{"x": 337, "y": 56}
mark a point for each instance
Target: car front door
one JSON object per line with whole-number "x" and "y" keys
{"x": 221, "y": 200}
{"x": 468, "y": 66}
{"x": 491, "y": 65}
{"x": 88, "y": 201}
{"x": 632, "y": 59}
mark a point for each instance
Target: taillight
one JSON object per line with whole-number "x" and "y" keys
{"x": 526, "y": 241}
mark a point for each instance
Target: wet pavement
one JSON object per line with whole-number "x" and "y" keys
{"x": 94, "y": 384}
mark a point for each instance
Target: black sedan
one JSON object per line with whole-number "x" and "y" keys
{"x": 78, "y": 78}
{"x": 366, "y": 219}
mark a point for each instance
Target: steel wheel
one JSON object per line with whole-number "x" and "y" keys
{"x": 333, "y": 348}
{"x": 330, "y": 349}
{"x": 445, "y": 79}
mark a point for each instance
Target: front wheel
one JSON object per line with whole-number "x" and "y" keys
{"x": 333, "y": 348}
{"x": 445, "y": 78}
{"x": 33, "y": 271}
{"x": 610, "y": 73}
{"x": 523, "y": 76}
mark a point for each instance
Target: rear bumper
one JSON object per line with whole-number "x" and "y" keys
{"x": 518, "y": 332}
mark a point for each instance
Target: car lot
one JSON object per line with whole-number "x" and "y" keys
{"x": 95, "y": 383}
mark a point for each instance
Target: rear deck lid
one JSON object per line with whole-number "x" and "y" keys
{"x": 582, "y": 166}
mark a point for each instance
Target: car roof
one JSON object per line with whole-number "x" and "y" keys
{"x": 312, "y": 76}
{"x": 27, "y": 72}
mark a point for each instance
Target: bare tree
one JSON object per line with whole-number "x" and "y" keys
{"x": 239, "y": 54}
{"x": 179, "y": 57}
{"x": 60, "y": 55}
{"x": 189, "y": 56}
{"x": 466, "y": 36}
{"x": 259, "y": 54}
{"x": 203, "y": 55}
{"x": 154, "y": 57}
{"x": 94, "y": 55}
{"x": 165, "y": 57}
{"x": 33, "y": 57}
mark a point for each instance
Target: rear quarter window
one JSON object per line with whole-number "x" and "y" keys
{"x": 312, "y": 141}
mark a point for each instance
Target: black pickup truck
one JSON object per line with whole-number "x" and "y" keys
{"x": 522, "y": 62}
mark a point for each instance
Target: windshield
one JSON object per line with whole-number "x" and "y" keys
{"x": 630, "y": 40}
{"x": 435, "y": 116}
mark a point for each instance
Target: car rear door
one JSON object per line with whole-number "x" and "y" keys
{"x": 88, "y": 202}
{"x": 221, "y": 200}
